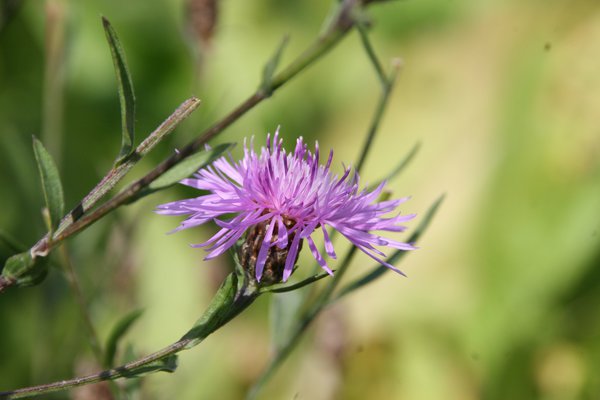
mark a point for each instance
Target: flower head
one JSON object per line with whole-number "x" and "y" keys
{"x": 279, "y": 200}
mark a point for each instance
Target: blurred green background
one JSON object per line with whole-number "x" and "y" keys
{"x": 502, "y": 299}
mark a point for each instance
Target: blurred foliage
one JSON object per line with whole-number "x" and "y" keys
{"x": 502, "y": 298}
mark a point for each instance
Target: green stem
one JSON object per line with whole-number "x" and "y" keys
{"x": 234, "y": 296}
{"x": 364, "y": 37}
{"x": 387, "y": 83}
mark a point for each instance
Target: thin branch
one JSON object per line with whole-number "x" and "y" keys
{"x": 387, "y": 85}
{"x": 125, "y": 370}
{"x": 364, "y": 37}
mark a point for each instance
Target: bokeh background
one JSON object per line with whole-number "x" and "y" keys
{"x": 502, "y": 298}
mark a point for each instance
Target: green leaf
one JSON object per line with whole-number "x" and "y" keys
{"x": 119, "y": 330}
{"x": 167, "y": 364}
{"x": 284, "y": 312}
{"x": 271, "y": 67}
{"x": 53, "y": 191}
{"x": 236, "y": 293}
{"x": 186, "y": 168}
{"x": 216, "y": 314}
{"x": 22, "y": 270}
{"x": 379, "y": 270}
{"x": 126, "y": 93}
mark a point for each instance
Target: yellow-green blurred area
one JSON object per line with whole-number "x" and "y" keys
{"x": 502, "y": 298}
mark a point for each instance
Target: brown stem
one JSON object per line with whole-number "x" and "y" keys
{"x": 109, "y": 374}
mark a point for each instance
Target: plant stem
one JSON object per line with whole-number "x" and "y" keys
{"x": 387, "y": 84}
{"x": 109, "y": 374}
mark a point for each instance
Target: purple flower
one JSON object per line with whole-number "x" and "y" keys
{"x": 282, "y": 199}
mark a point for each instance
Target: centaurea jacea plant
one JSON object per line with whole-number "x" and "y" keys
{"x": 281, "y": 199}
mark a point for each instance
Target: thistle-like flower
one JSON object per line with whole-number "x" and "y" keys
{"x": 280, "y": 199}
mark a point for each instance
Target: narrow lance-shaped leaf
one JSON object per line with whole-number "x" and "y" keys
{"x": 51, "y": 185}
{"x": 271, "y": 67}
{"x": 125, "y": 88}
{"x": 364, "y": 36}
{"x": 380, "y": 270}
{"x": 166, "y": 364}
{"x": 236, "y": 293}
{"x": 117, "y": 333}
